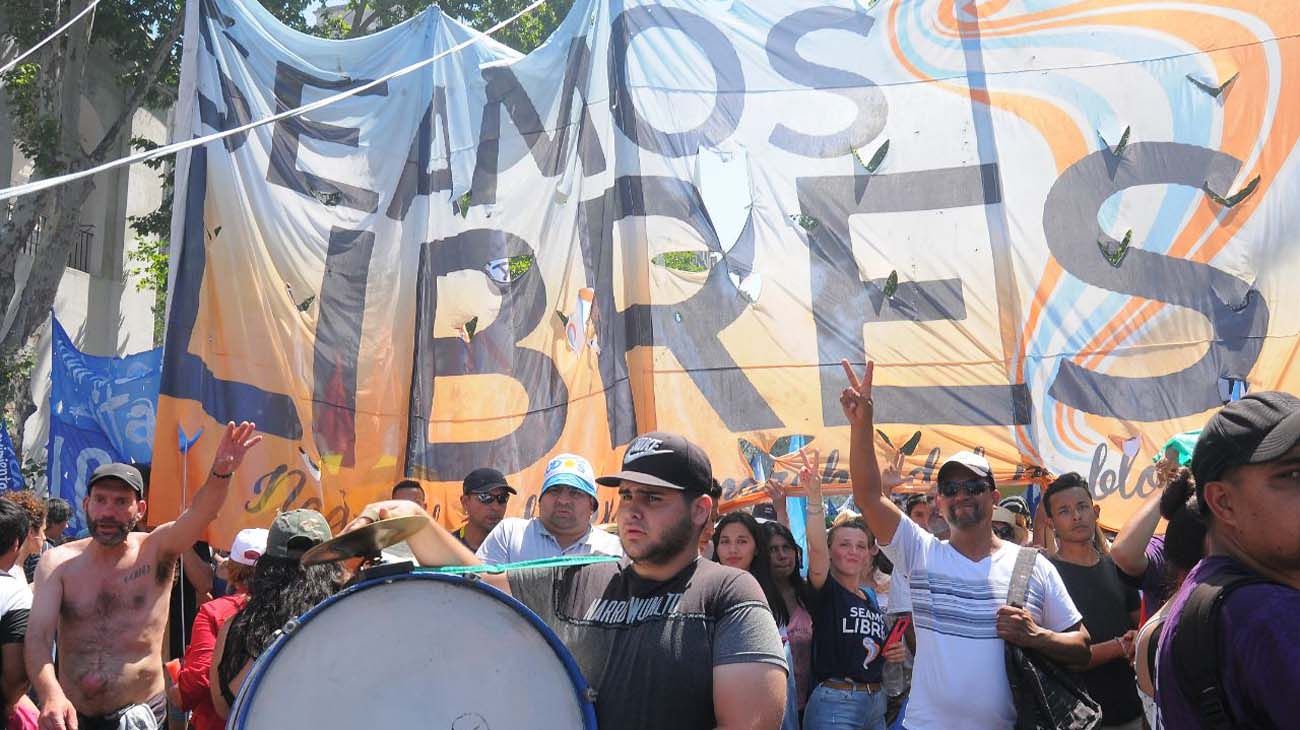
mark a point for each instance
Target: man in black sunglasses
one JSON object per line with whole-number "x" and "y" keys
{"x": 484, "y": 497}
{"x": 958, "y": 587}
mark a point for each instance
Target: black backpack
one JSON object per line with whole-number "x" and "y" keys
{"x": 1195, "y": 651}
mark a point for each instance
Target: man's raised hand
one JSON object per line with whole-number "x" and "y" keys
{"x": 856, "y": 399}
{"x": 235, "y": 443}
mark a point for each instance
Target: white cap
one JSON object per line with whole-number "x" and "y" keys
{"x": 976, "y": 463}
{"x": 249, "y": 545}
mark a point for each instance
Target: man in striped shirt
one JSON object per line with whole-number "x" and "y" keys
{"x": 959, "y": 587}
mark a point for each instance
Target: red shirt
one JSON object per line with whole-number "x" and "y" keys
{"x": 193, "y": 679}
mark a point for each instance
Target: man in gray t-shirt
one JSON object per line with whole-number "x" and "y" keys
{"x": 666, "y": 639}
{"x": 650, "y": 648}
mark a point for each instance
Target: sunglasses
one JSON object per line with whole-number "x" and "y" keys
{"x": 485, "y": 498}
{"x": 1004, "y": 531}
{"x": 973, "y": 487}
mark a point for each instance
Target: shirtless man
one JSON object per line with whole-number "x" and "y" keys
{"x": 107, "y": 595}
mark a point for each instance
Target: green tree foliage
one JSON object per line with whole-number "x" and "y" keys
{"x": 142, "y": 38}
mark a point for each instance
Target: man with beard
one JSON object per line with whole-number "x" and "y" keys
{"x": 106, "y": 595}
{"x": 667, "y": 639}
{"x": 959, "y": 586}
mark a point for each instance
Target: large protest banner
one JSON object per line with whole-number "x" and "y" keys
{"x": 1063, "y": 231}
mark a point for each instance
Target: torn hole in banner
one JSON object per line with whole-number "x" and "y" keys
{"x": 722, "y": 177}
{"x": 1232, "y": 389}
{"x": 468, "y": 302}
{"x": 508, "y": 270}
{"x": 578, "y": 332}
{"x": 688, "y": 262}
{"x": 1213, "y": 88}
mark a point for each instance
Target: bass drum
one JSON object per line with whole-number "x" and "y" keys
{"x": 415, "y": 650}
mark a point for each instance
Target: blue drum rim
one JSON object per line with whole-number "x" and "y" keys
{"x": 581, "y": 689}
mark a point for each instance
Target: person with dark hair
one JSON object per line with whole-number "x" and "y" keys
{"x": 1109, "y": 606}
{"x": 959, "y": 587}
{"x": 57, "y": 514}
{"x": 484, "y": 496}
{"x": 193, "y": 681}
{"x": 795, "y": 598}
{"x": 15, "y": 605}
{"x": 281, "y": 588}
{"x": 919, "y": 508}
{"x": 740, "y": 542}
{"x": 411, "y": 491}
{"x": 665, "y": 638}
{"x": 105, "y": 678}
{"x": 1229, "y": 652}
{"x": 1138, "y": 552}
{"x": 849, "y": 627}
{"x": 34, "y": 545}
{"x": 1182, "y": 548}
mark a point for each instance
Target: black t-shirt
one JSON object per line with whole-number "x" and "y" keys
{"x": 649, "y": 648}
{"x": 15, "y": 605}
{"x": 849, "y": 633}
{"x": 1105, "y": 600}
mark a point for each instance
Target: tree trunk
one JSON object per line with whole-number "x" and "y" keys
{"x": 64, "y": 67}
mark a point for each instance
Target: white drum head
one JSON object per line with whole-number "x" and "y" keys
{"x": 417, "y": 652}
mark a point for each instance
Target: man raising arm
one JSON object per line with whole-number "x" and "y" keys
{"x": 959, "y": 587}
{"x": 106, "y": 596}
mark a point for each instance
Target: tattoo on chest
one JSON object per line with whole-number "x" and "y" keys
{"x": 138, "y": 572}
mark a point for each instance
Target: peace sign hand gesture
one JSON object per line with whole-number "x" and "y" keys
{"x": 856, "y": 399}
{"x": 235, "y": 443}
{"x": 809, "y": 478}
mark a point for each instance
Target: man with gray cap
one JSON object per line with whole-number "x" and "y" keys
{"x": 107, "y": 598}
{"x": 1229, "y": 653}
{"x": 563, "y": 522}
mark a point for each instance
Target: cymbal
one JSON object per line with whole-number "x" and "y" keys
{"x": 365, "y": 542}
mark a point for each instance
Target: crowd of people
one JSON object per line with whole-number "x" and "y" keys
{"x": 896, "y": 612}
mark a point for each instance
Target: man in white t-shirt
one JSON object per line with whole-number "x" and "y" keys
{"x": 958, "y": 587}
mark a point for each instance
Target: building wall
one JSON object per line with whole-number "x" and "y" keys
{"x": 100, "y": 305}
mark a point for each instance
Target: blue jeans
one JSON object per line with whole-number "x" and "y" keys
{"x": 791, "y": 721}
{"x": 842, "y": 709}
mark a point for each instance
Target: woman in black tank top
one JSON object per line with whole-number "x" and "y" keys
{"x": 849, "y": 629}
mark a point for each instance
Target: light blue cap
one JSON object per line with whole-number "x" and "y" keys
{"x": 570, "y": 470}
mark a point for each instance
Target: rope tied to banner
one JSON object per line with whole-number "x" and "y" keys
{"x": 157, "y": 152}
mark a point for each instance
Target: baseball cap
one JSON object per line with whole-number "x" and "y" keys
{"x": 248, "y": 546}
{"x": 971, "y": 460}
{"x": 1016, "y": 504}
{"x": 1007, "y": 517}
{"x": 1258, "y": 428}
{"x": 485, "y": 479}
{"x": 570, "y": 470}
{"x": 122, "y": 472}
{"x": 295, "y": 532}
{"x": 663, "y": 459}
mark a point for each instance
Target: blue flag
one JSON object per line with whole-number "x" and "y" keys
{"x": 11, "y": 468}
{"x": 102, "y": 410}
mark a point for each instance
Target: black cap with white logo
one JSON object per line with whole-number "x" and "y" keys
{"x": 664, "y": 460}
